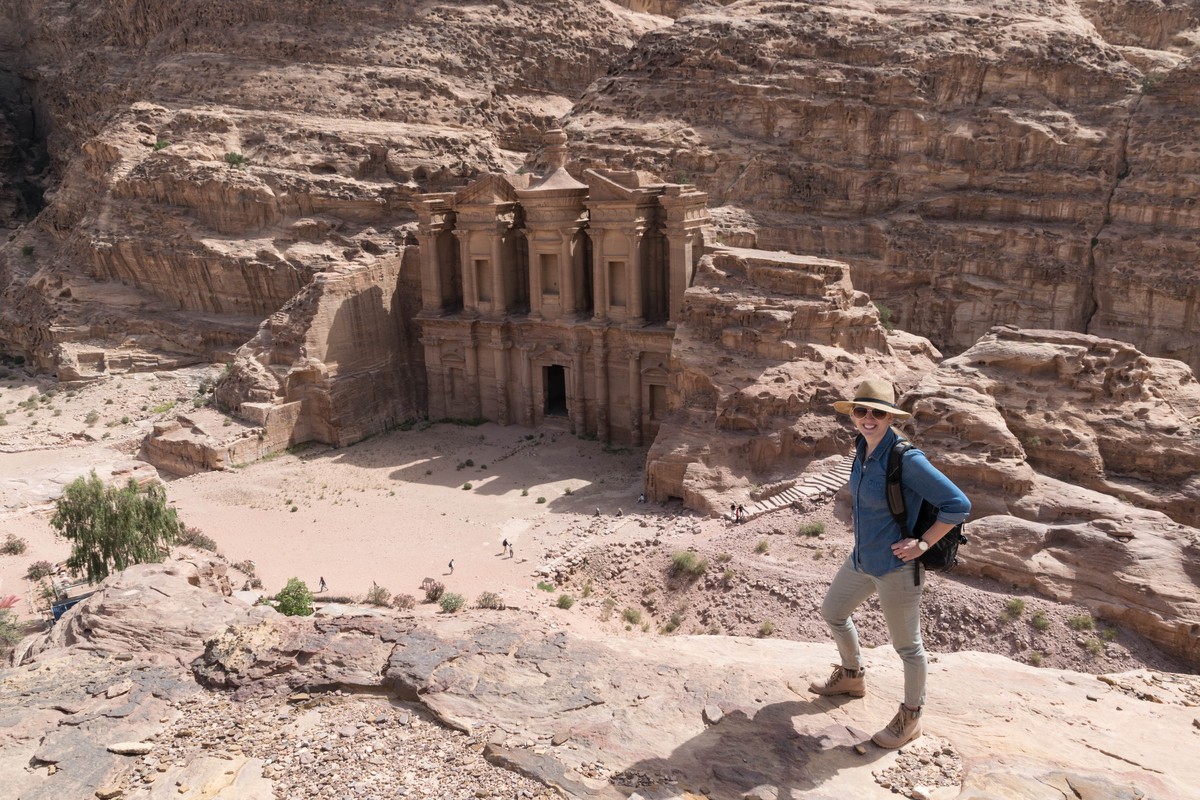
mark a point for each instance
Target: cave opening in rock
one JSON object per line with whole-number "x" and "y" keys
{"x": 556, "y": 391}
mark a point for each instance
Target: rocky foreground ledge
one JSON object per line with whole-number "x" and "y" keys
{"x": 501, "y": 704}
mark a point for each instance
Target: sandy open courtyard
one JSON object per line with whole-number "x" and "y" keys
{"x": 392, "y": 510}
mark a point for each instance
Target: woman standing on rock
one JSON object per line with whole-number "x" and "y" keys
{"x": 884, "y": 558}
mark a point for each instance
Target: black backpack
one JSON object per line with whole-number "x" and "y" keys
{"x": 942, "y": 556}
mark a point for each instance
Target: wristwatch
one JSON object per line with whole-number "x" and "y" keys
{"x": 922, "y": 545}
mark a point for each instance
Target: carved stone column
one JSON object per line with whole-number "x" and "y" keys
{"x": 474, "y": 384}
{"x": 526, "y": 372}
{"x": 501, "y": 357}
{"x": 470, "y": 296}
{"x": 499, "y": 279}
{"x": 687, "y": 214}
{"x": 600, "y": 352}
{"x": 635, "y": 397}
{"x": 436, "y": 374}
{"x": 579, "y": 407}
{"x": 635, "y": 310}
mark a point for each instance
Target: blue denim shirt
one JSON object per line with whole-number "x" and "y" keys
{"x": 875, "y": 530}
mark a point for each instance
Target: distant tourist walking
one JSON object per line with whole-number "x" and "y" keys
{"x": 504, "y": 547}
{"x": 321, "y": 584}
{"x": 452, "y": 566}
{"x": 883, "y": 560}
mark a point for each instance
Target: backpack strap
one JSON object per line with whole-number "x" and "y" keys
{"x": 895, "y": 484}
{"x": 895, "y": 495}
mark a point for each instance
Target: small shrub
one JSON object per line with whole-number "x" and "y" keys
{"x": 194, "y": 537}
{"x": 568, "y": 490}
{"x": 245, "y": 567}
{"x": 685, "y": 563}
{"x": 452, "y": 602}
{"x": 1093, "y": 647}
{"x": 235, "y": 159}
{"x": 92, "y": 417}
{"x": 606, "y": 608}
{"x": 632, "y": 616}
{"x": 524, "y": 493}
{"x": 13, "y": 545}
{"x": 541, "y": 500}
{"x": 724, "y": 558}
{"x": 38, "y": 570}
{"x": 1039, "y": 621}
{"x": 587, "y": 589}
{"x": 1108, "y": 634}
{"x": 672, "y": 624}
{"x": 762, "y": 546}
{"x": 466, "y": 486}
{"x": 164, "y": 408}
{"x": 565, "y": 601}
{"x": 489, "y": 600}
{"x": 812, "y": 529}
{"x": 885, "y": 317}
{"x": 160, "y": 144}
{"x": 1013, "y": 608}
{"x": 1081, "y": 622}
{"x": 295, "y": 599}
{"x": 378, "y": 596}
{"x": 1035, "y": 658}
{"x": 766, "y": 629}
{"x": 404, "y": 602}
{"x": 434, "y": 592}
{"x": 545, "y": 587}
{"x": 27, "y": 250}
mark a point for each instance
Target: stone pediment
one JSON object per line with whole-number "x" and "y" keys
{"x": 491, "y": 189}
{"x": 611, "y": 185}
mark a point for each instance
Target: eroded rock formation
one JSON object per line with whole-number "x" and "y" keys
{"x": 1082, "y": 460}
{"x": 766, "y": 343}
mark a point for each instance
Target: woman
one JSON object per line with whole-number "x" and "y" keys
{"x": 884, "y": 559}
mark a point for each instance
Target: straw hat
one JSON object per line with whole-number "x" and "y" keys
{"x": 873, "y": 394}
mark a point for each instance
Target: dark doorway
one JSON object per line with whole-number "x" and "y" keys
{"x": 556, "y": 391}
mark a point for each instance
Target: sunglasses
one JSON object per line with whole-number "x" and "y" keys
{"x": 861, "y": 413}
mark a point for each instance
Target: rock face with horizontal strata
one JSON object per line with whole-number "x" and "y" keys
{"x": 975, "y": 163}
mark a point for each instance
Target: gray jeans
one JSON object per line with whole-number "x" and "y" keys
{"x": 901, "y": 604}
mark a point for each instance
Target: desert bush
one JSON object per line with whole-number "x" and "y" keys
{"x": 245, "y": 567}
{"x": 38, "y": 570}
{"x": 762, "y": 546}
{"x": 404, "y": 602}
{"x": 565, "y": 601}
{"x": 378, "y": 596}
{"x": 545, "y": 587}
{"x": 452, "y": 602}
{"x": 1081, "y": 622}
{"x": 1093, "y": 647}
{"x": 489, "y": 600}
{"x": 1013, "y": 608}
{"x": 434, "y": 591}
{"x": 1035, "y": 658}
{"x": 541, "y": 499}
{"x": 724, "y": 558}
{"x": 13, "y": 545}
{"x": 812, "y": 529}
{"x": 295, "y": 599}
{"x": 1039, "y": 621}
{"x": 466, "y": 486}
{"x": 766, "y": 629}
{"x": 632, "y": 616}
{"x": 194, "y": 537}
{"x": 686, "y": 563}
{"x": 10, "y": 630}
{"x": 235, "y": 159}
{"x": 673, "y": 623}
{"x": 92, "y": 417}
{"x": 110, "y": 528}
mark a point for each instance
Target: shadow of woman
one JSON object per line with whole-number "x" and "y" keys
{"x": 784, "y": 751}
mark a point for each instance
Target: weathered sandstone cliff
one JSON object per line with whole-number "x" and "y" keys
{"x": 976, "y": 163}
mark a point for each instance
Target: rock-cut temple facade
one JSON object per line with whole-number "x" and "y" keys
{"x": 551, "y": 301}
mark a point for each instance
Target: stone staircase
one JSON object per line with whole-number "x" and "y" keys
{"x": 810, "y": 486}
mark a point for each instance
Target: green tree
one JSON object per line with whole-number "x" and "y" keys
{"x": 295, "y": 599}
{"x": 112, "y": 528}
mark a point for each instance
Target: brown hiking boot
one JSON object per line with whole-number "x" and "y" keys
{"x": 903, "y": 728}
{"x": 842, "y": 681}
